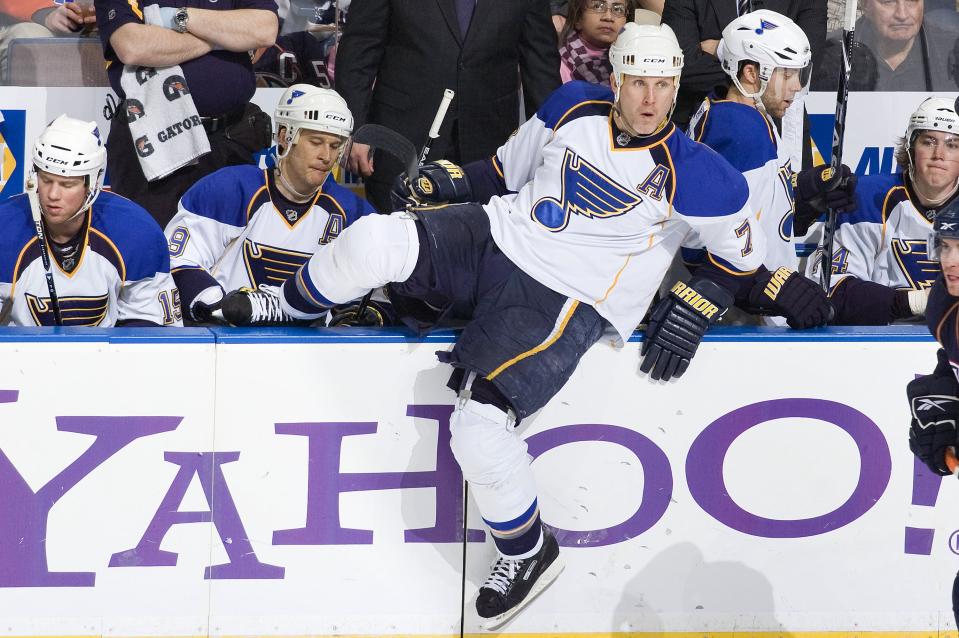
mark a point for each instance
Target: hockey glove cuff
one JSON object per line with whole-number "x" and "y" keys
{"x": 787, "y": 293}
{"x": 677, "y": 325}
{"x": 819, "y": 189}
{"x": 440, "y": 182}
{"x": 376, "y": 314}
{"x": 934, "y": 405}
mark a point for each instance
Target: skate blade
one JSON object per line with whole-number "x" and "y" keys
{"x": 544, "y": 581}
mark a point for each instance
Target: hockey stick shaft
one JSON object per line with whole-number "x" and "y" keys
{"x": 433, "y": 134}
{"x": 448, "y": 95}
{"x": 34, "y": 198}
{"x": 838, "y": 134}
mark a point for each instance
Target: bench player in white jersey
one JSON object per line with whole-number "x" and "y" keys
{"x": 881, "y": 269}
{"x": 108, "y": 258}
{"x": 594, "y": 196}
{"x": 246, "y": 227}
{"x": 767, "y": 58}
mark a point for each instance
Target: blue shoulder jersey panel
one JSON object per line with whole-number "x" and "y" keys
{"x": 343, "y": 199}
{"x": 706, "y": 184}
{"x": 138, "y": 238}
{"x": 225, "y": 195}
{"x": 573, "y": 100}
{"x": 738, "y": 132}
{"x": 17, "y": 224}
{"x": 876, "y": 196}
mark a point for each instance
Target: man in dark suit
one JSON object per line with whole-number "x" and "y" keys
{"x": 699, "y": 25}
{"x": 396, "y": 57}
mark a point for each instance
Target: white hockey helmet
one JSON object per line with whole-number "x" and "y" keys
{"x": 73, "y": 148}
{"x": 646, "y": 50}
{"x": 934, "y": 114}
{"x": 304, "y": 106}
{"x": 769, "y": 39}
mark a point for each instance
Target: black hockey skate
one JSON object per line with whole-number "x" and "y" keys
{"x": 512, "y": 584}
{"x": 257, "y": 308}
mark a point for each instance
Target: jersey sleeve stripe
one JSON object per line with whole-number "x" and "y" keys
{"x": 727, "y": 267}
{"x": 251, "y": 205}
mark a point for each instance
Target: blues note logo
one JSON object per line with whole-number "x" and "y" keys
{"x": 269, "y": 265}
{"x": 915, "y": 263}
{"x": 586, "y": 191}
{"x": 75, "y": 311}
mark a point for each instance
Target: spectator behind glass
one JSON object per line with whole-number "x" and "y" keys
{"x": 396, "y": 57}
{"x": 591, "y": 27}
{"x": 897, "y": 49}
{"x": 210, "y": 46}
{"x": 37, "y": 19}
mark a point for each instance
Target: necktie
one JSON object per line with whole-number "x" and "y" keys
{"x": 464, "y": 13}
{"x": 743, "y": 7}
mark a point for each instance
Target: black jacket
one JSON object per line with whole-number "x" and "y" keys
{"x": 397, "y": 56}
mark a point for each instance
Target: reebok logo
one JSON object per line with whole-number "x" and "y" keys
{"x": 930, "y": 403}
{"x": 947, "y": 226}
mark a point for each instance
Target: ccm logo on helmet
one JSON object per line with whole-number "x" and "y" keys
{"x": 657, "y": 60}
{"x": 334, "y": 117}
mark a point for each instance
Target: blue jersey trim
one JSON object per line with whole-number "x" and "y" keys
{"x": 871, "y": 194}
{"x": 137, "y": 236}
{"x": 740, "y": 133}
{"x": 17, "y": 224}
{"x": 696, "y": 165}
{"x": 572, "y": 100}
{"x": 225, "y": 195}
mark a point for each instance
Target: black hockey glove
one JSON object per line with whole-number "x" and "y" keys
{"x": 787, "y": 293}
{"x": 440, "y": 182}
{"x": 934, "y": 405}
{"x": 376, "y": 314}
{"x": 677, "y": 325}
{"x": 819, "y": 189}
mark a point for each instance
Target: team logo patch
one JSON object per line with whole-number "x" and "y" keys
{"x": 587, "y": 191}
{"x": 294, "y": 95}
{"x": 12, "y": 146}
{"x": 291, "y": 215}
{"x": 271, "y": 266}
{"x": 766, "y": 25}
{"x": 914, "y": 262}
{"x": 74, "y": 311}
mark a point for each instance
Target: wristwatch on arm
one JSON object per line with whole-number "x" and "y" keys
{"x": 181, "y": 20}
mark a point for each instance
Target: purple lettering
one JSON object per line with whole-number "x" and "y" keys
{"x": 704, "y": 466}
{"x": 223, "y": 514}
{"x": 326, "y": 483}
{"x": 23, "y": 526}
{"x": 657, "y": 479}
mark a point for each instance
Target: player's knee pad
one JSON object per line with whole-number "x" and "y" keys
{"x": 372, "y": 252}
{"x": 484, "y": 444}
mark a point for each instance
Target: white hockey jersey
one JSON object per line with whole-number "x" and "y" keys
{"x": 750, "y": 142}
{"x": 123, "y": 274}
{"x": 234, "y": 229}
{"x": 884, "y": 239}
{"x": 598, "y": 215}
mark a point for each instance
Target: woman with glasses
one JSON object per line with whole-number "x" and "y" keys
{"x": 591, "y": 27}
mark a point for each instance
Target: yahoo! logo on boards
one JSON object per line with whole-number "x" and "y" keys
{"x": 23, "y": 525}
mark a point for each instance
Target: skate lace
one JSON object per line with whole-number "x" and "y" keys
{"x": 265, "y": 306}
{"x": 502, "y": 575}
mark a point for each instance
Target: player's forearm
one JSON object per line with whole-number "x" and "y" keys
{"x": 485, "y": 181}
{"x": 235, "y": 30}
{"x": 148, "y": 45}
{"x": 191, "y": 282}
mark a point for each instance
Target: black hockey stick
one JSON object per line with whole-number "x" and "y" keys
{"x": 838, "y": 133}
{"x": 34, "y": 199}
{"x": 381, "y": 137}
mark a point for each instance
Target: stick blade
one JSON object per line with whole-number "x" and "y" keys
{"x": 391, "y": 142}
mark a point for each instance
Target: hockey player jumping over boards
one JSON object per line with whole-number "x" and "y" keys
{"x": 586, "y": 206}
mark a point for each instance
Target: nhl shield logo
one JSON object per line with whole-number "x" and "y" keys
{"x": 291, "y": 215}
